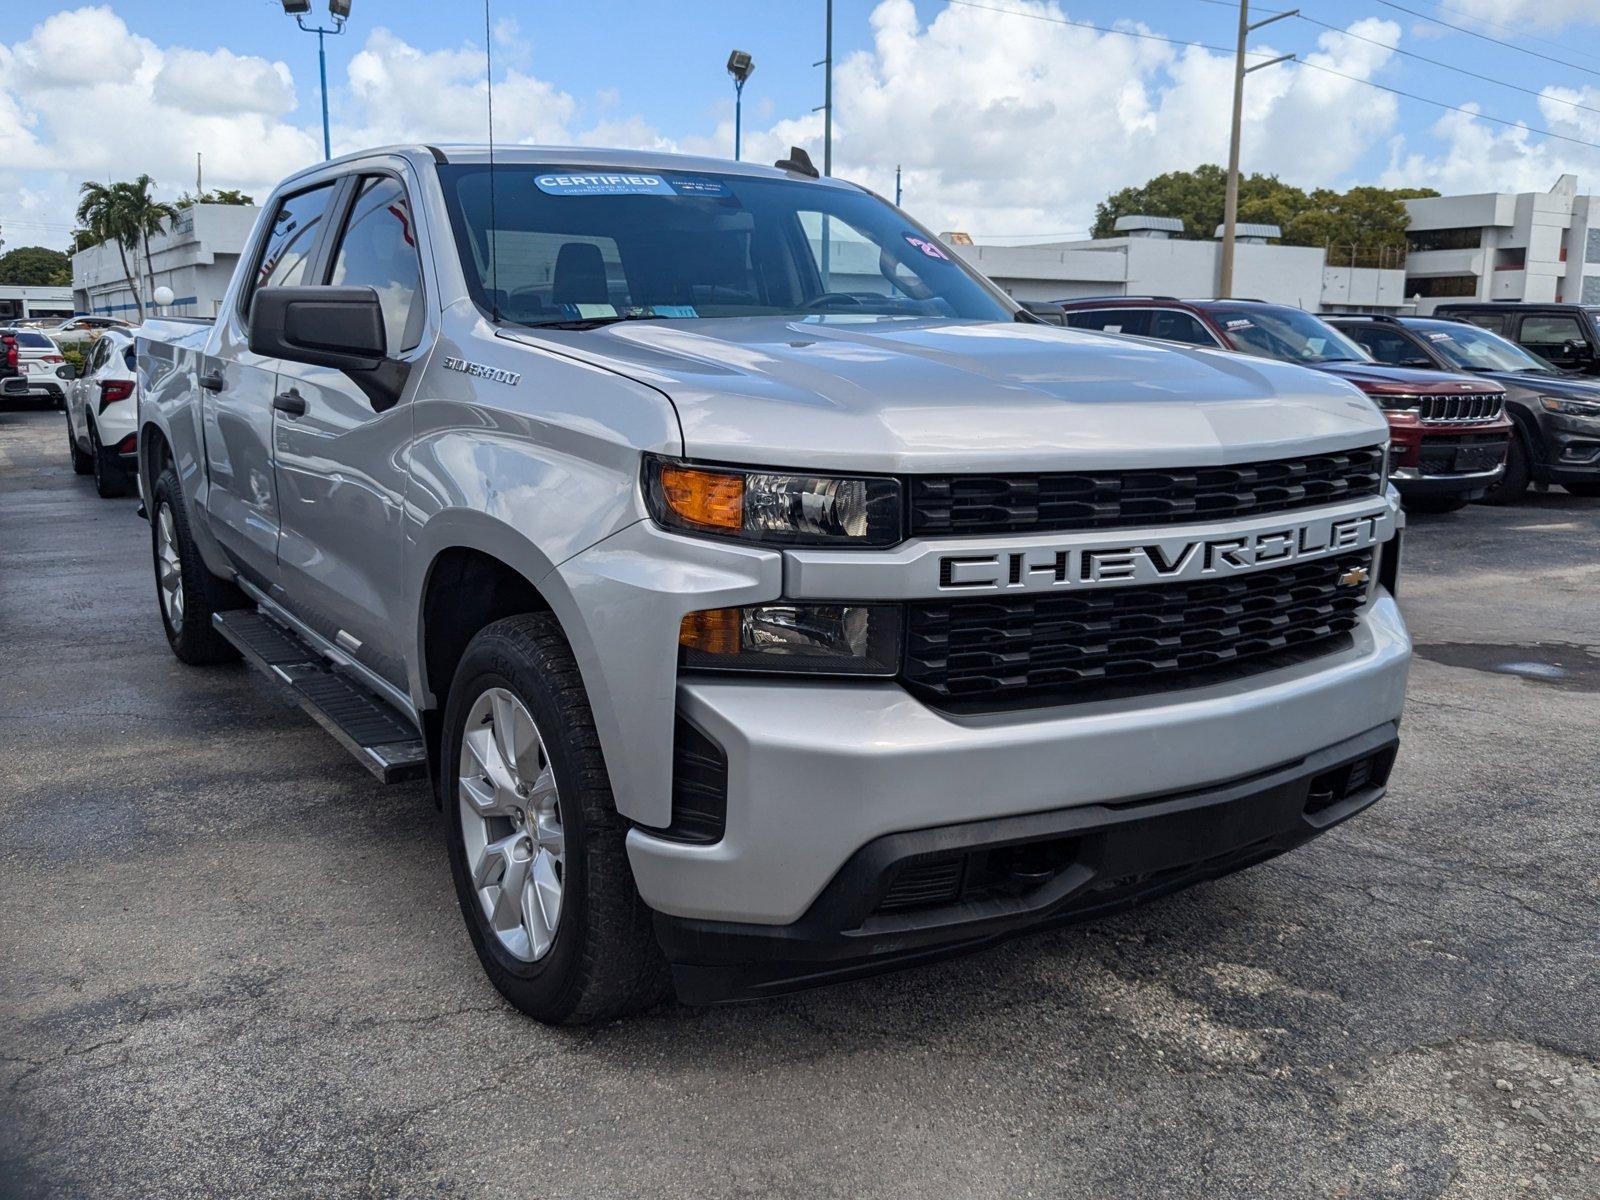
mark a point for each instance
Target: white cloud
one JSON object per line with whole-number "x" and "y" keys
{"x": 1509, "y": 15}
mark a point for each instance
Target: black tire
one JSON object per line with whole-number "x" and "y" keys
{"x": 604, "y": 960}
{"x": 110, "y": 480}
{"x": 1583, "y": 489}
{"x": 192, "y": 638}
{"x": 82, "y": 464}
{"x": 1513, "y": 485}
{"x": 1434, "y": 504}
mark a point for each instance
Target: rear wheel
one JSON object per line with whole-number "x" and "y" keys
{"x": 1434, "y": 504}
{"x": 536, "y": 845}
{"x": 189, "y": 594}
{"x": 82, "y": 464}
{"x": 110, "y": 480}
{"x": 1514, "y": 482}
{"x": 1583, "y": 489}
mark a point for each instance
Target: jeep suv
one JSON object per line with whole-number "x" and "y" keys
{"x": 1448, "y": 435}
{"x": 1564, "y": 334}
{"x": 1556, "y": 413}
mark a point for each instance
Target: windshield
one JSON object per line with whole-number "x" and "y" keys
{"x": 562, "y": 246}
{"x": 1475, "y": 349}
{"x": 1287, "y": 334}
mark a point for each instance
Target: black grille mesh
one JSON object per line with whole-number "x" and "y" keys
{"x": 975, "y": 504}
{"x": 1024, "y": 648}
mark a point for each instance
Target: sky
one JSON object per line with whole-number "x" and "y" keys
{"x": 1009, "y": 121}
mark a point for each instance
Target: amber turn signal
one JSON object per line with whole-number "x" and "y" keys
{"x": 711, "y": 631}
{"x": 710, "y": 499}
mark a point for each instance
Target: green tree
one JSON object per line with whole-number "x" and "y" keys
{"x": 220, "y": 196}
{"x": 35, "y": 266}
{"x": 1368, "y": 218}
{"x": 104, "y": 211}
{"x": 146, "y": 216}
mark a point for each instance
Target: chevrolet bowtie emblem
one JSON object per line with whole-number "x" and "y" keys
{"x": 1354, "y": 577}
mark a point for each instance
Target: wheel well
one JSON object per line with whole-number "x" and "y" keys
{"x": 466, "y": 590}
{"x": 153, "y": 450}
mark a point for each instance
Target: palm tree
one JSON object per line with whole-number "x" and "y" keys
{"x": 146, "y": 216}
{"x": 103, "y": 211}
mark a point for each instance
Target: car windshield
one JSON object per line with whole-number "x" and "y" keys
{"x": 1287, "y": 334}
{"x": 561, "y": 246}
{"x": 1475, "y": 349}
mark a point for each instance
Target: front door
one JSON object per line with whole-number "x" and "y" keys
{"x": 341, "y": 463}
{"x": 236, "y": 393}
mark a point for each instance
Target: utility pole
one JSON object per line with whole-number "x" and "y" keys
{"x": 827, "y": 95}
{"x": 897, "y": 185}
{"x": 339, "y": 10}
{"x": 1230, "y": 208}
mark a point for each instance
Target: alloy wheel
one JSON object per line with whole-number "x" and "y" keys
{"x": 169, "y": 567}
{"x": 510, "y": 813}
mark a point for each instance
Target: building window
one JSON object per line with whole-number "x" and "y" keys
{"x": 1444, "y": 285}
{"x": 1444, "y": 239}
{"x": 1514, "y": 259}
{"x": 1591, "y": 247}
{"x": 1591, "y": 289}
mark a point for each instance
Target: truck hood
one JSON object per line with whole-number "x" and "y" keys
{"x": 893, "y": 395}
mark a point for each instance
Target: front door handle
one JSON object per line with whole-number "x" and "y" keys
{"x": 290, "y": 403}
{"x": 212, "y": 382}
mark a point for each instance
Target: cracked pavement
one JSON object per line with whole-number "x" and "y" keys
{"x": 234, "y": 964}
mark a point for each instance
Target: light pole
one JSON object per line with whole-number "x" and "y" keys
{"x": 340, "y": 11}
{"x": 741, "y": 66}
{"x": 1230, "y": 206}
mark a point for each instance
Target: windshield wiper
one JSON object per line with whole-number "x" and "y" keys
{"x": 596, "y": 322}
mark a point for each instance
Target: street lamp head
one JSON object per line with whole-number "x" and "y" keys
{"x": 740, "y": 66}
{"x": 340, "y": 9}
{"x": 297, "y": 8}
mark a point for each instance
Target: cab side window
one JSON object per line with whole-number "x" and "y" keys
{"x": 295, "y": 226}
{"x": 378, "y": 249}
{"x": 1387, "y": 346}
{"x": 1550, "y": 333}
{"x": 1172, "y": 326}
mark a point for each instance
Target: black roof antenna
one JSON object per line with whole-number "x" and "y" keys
{"x": 494, "y": 228}
{"x": 798, "y": 161}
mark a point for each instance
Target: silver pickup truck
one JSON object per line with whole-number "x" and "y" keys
{"x": 769, "y": 598}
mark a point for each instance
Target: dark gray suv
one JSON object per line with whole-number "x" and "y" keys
{"x": 1564, "y": 334}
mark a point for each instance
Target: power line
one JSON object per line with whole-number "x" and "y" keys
{"x": 1486, "y": 38}
{"x": 1482, "y": 116}
{"x": 1514, "y": 31}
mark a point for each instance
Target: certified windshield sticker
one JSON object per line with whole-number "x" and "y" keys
{"x": 1440, "y": 337}
{"x": 1240, "y": 323}
{"x": 927, "y": 247}
{"x": 597, "y": 184}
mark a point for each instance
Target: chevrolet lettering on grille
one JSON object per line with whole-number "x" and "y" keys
{"x": 1161, "y": 559}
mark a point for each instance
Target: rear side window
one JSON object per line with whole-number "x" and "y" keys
{"x": 379, "y": 250}
{"x": 295, "y": 226}
{"x": 1550, "y": 331}
{"x": 1111, "y": 320}
{"x": 1494, "y": 321}
{"x": 1172, "y": 326}
{"x": 1387, "y": 346}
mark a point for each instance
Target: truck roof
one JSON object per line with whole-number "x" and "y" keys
{"x": 575, "y": 156}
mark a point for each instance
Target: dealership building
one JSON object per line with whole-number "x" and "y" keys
{"x": 196, "y": 259}
{"x": 1537, "y": 246}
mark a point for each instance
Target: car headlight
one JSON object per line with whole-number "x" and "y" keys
{"x": 1396, "y": 401}
{"x": 825, "y": 639}
{"x": 1570, "y": 407}
{"x": 783, "y": 507}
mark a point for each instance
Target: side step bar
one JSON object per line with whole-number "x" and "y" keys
{"x": 382, "y": 740}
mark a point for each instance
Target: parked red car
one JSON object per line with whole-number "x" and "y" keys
{"x": 1448, "y": 434}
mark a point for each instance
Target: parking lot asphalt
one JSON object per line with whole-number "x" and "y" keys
{"x": 231, "y": 964}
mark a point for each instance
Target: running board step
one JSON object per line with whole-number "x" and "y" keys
{"x": 381, "y": 739}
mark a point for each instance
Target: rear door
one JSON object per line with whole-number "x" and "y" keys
{"x": 237, "y": 388}
{"x": 340, "y": 463}
{"x": 1558, "y": 337}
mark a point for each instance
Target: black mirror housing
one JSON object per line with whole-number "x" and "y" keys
{"x": 68, "y": 372}
{"x": 338, "y": 327}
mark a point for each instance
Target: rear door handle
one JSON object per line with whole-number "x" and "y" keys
{"x": 290, "y": 403}
{"x": 212, "y": 382}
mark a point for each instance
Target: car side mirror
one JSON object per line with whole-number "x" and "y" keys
{"x": 68, "y": 372}
{"x": 338, "y": 327}
{"x": 1052, "y": 314}
{"x": 1419, "y": 363}
{"x": 1577, "y": 350}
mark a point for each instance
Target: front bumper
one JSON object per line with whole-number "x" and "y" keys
{"x": 817, "y": 770}
{"x": 912, "y": 897}
{"x": 1473, "y": 485}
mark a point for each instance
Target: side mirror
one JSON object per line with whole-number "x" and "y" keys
{"x": 68, "y": 372}
{"x": 1577, "y": 350}
{"x": 1415, "y": 364}
{"x": 338, "y": 327}
{"x": 1052, "y": 314}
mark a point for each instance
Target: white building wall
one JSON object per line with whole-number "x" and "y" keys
{"x": 196, "y": 260}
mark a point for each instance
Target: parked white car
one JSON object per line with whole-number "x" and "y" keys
{"x": 38, "y": 359}
{"x": 77, "y": 330}
{"x": 102, "y": 415}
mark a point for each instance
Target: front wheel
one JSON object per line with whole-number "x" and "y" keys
{"x": 189, "y": 594}
{"x": 536, "y": 845}
{"x": 1513, "y": 484}
{"x": 110, "y": 479}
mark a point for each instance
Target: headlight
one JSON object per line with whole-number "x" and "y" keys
{"x": 1570, "y": 407}
{"x": 772, "y": 506}
{"x": 827, "y": 639}
{"x": 1396, "y": 401}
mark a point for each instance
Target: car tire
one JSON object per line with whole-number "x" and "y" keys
{"x": 110, "y": 480}
{"x": 1583, "y": 489}
{"x": 1514, "y": 482}
{"x": 188, "y": 594}
{"x": 517, "y": 700}
{"x": 82, "y": 464}
{"x": 1434, "y": 504}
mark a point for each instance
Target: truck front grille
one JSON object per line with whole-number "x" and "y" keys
{"x": 1058, "y": 648}
{"x": 1462, "y": 410}
{"x": 942, "y": 505}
